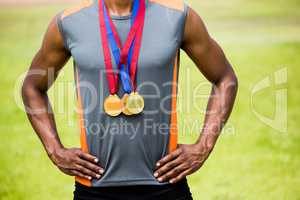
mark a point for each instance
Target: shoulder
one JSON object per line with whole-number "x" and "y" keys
{"x": 76, "y": 8}
{"x": 178, "y": 5}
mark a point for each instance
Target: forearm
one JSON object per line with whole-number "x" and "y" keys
{"x": 40, "y": 114}
{"x": 218, "y": 110}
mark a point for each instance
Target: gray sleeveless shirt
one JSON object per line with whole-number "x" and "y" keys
{"x": 128, "y": 147}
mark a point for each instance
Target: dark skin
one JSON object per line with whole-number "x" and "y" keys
{"x": 187, "y": 158}
{"x": 51, "y": 57}
{"x": 211, "y": 61}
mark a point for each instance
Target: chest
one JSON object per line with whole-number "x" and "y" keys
{"x": 159, "y": 42}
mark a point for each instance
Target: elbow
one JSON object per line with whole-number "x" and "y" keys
{"x": 229, "y": 81}
{"x": 29, "y": 91}
{"x": 26, "y": 91}
{"x": 233, "y": 80}
{"x": 233, "y": 83}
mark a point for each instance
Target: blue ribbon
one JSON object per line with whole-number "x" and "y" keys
{"x": 124, "y": 71}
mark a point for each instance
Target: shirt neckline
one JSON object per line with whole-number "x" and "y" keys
{"x": 119, "y": 17}
{"x": 115, "y": 17}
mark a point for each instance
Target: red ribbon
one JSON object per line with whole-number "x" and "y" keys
{"x": 135, "y": 32}
{"x": 136, "y": 52}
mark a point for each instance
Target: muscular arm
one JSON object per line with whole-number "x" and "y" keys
{"x": 47, "y": 63}
{"x": 211, "y": 61}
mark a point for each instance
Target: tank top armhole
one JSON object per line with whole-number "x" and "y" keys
{"x": 182, "y": 23}
{"x": 59, "y": 22}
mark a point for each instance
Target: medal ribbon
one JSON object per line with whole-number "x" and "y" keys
{"x": 111, "y": 77}
{"x": 115, "y": 45}
{"x": 136, "y": 53}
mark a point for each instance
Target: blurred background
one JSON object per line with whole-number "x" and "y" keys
{"x": 257, "y": 156}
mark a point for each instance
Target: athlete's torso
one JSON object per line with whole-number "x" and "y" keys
{"x": 128, "y": 147}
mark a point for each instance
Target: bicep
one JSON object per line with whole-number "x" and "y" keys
{"x": 202, "y": 49}
{"x": 49, "y": 60}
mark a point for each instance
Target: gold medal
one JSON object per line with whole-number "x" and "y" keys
{"x": 113, "y": 105}
{"x": 124, "y": 101}
{"x": 135, "y": 103}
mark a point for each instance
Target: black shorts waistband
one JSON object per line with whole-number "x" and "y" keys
{"x": 176, "y": 191}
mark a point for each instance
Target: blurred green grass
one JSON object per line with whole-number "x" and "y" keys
{"x": 251, "y": 160}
